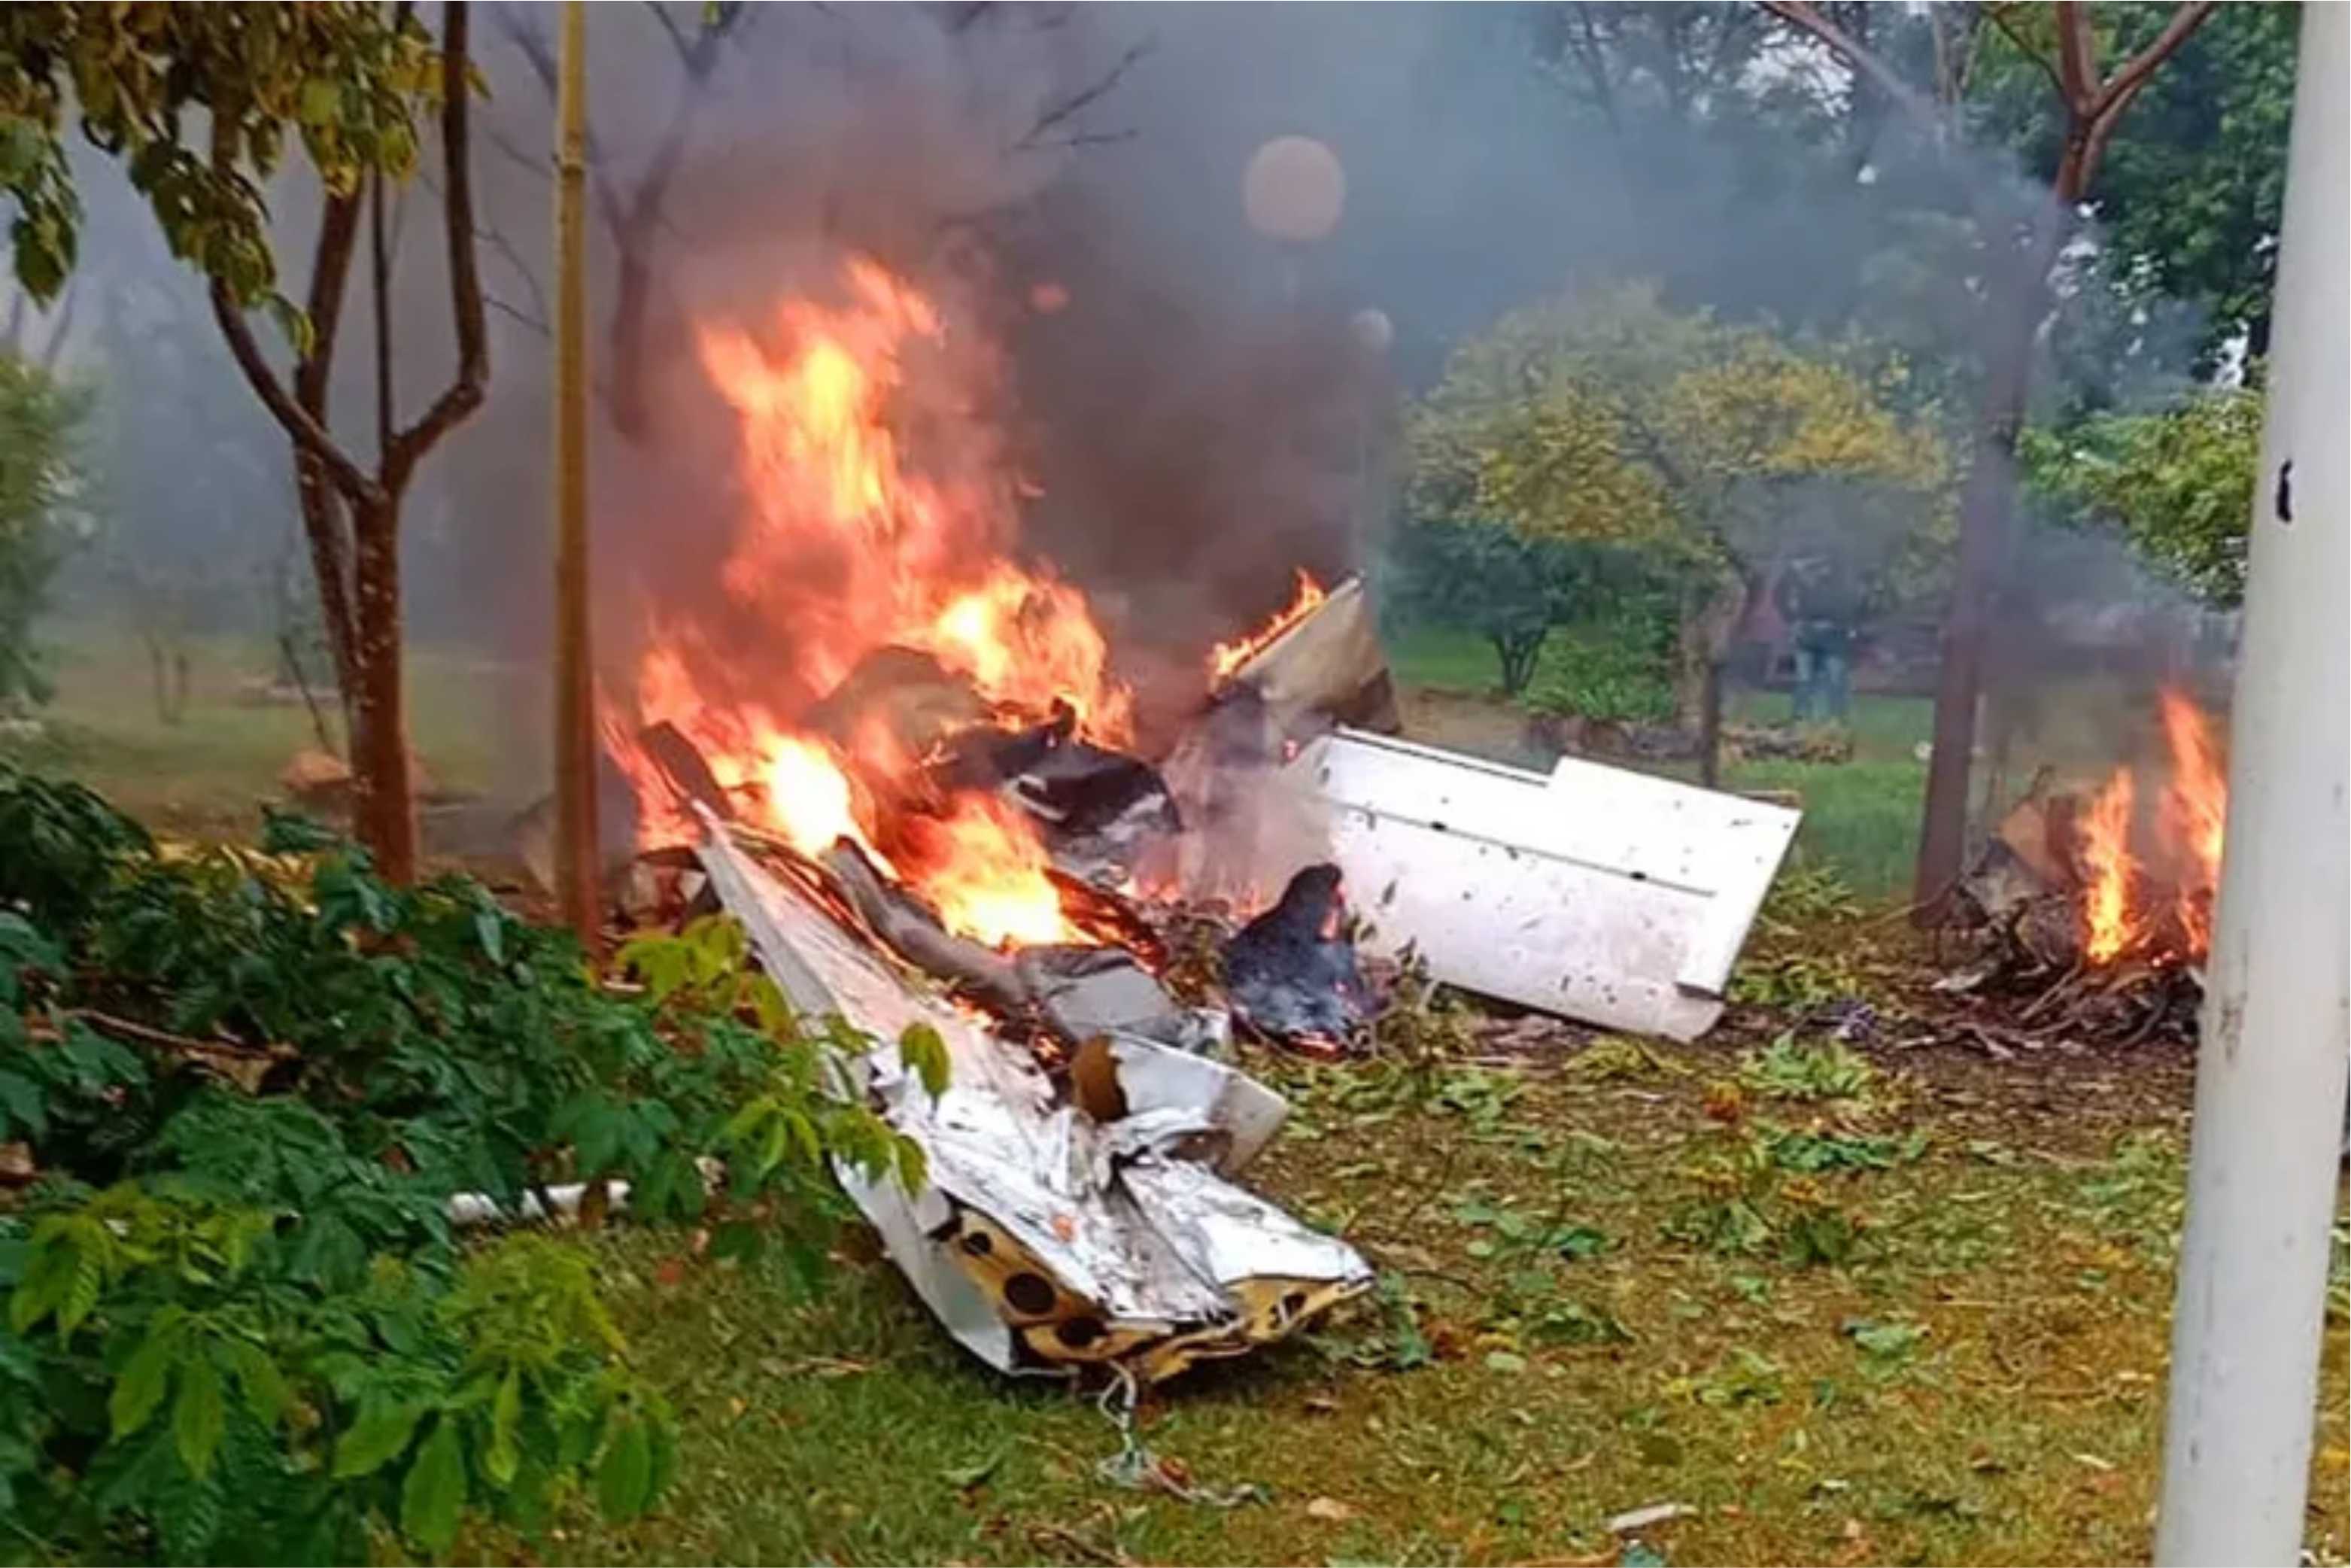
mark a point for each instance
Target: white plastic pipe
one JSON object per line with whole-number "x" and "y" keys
{"x": 2269, "y": 1074}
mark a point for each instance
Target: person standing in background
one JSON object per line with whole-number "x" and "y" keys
{"x": 1824, "y": 609}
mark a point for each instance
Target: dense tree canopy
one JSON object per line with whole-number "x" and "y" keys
{"x": 1605, "y": 415}
{"x": 2188, "y": 197}
{"x": 2178, "y": 483}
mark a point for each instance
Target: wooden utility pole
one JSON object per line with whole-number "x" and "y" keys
{"x": 577, "y": 860}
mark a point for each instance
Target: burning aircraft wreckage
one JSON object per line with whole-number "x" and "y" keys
{"x": 935, "y": 814}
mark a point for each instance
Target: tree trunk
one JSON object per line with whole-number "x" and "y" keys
{"x": 1709, "y": 725}
{"x": 322, "y": 506}
{"x": 1519, "y": 656}
{"x": 384, "y": 802}
{"x": 323, "y": 531}
{"x": 631, "y": 303}
{"x": 301, "y": 679}
{"x": 1984, "y": 506}
{"x": 158, "y": 670}
{"x": 1711, "y": 609}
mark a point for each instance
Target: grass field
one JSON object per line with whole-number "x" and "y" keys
{"x": 1860, "y": 817}
{"x": 1598, "y": 1297}
{"x": 207, "y": 774}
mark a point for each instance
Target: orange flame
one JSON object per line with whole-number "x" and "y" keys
{"x": 900, "y": 557}
{"x": 2107, "y": 859}
{"x": 880, "y": 512}
{"x": 809, "y": 799}
{"x": 982, "y": 867}
{"x": 1226, "y": 658}
{"x": 2195, "y": 814}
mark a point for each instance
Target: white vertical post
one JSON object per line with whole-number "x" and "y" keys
{"x": 2270, "y": 1073}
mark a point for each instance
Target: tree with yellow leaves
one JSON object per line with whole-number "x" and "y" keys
{"x": 1724, "y": 450}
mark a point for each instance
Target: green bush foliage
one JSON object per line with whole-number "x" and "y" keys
{"x": 239, "y": 1322}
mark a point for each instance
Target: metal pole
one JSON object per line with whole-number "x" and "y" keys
{"x": 576, "y": 847}
{"x": 2270, "y": 1075}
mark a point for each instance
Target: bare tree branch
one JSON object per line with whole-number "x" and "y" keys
{"x": 308, "y": 433}
{"x": 2000, "y": 20}
{"x": 1085, "y": 139}
{"x": 379, "y": 269}
{"x": 678, "y": 40}
{"x": 1806, "y": 18}
{"x": 535, "y": 49}
{"x": 959, "y": 17}
{"x": 524, "y": 36}
{"x": 1077, "y": 102}
{"x": 463, "y": 393}
{"x": 2117, "y": 93}
{"x": 536, "y": 323}
{"x": 698, "y": 55}
{"x": 505, "y": 247}
{"x": 331, "y": 264}
{"x": 536, "y": 164}
{"x": 293, "y": 410}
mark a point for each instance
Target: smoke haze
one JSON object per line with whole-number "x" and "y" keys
{"x": 1188, "y": 408}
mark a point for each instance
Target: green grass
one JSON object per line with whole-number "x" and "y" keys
{"x": 205, "y": 774}
{"x": 1979, "y": 1379}
{"x": 1861, "y": 817}
{"x": 1449, "y": 659}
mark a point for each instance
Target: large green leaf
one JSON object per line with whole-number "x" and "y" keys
{"x": 198, "y": 1414}
{"x": 379, "y": 1436}
{"x": 144, "y": 1380}
{"x": 433, "y": 1499}
{"x": 505, "y": 1453}
{"x": 624, "y": 1478}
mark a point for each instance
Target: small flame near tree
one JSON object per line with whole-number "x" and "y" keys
{"x": 2106, "y": 851}
{"x": 2156, "y": 900}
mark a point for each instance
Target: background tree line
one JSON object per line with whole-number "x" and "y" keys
{"x": 2053, "y": 232}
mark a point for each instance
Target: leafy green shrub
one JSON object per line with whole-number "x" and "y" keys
{"x": 1619, "y": 668}
{"x": 2173, "y": 482}
{"x": 1786, "y": 1070}
{"x": 1811, "y": 1151}
{"x": 239, "y": 1322}
{"x": 1803, "y": 899}
{"x": 1741, "y": 1203}
{"x": 1517, "y": 587}
{"x": 1794, "y": 979}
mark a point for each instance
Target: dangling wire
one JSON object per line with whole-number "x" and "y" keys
{"x": 1137, "y": 1469}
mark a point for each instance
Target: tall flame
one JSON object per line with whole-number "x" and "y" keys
{"x": 851, "y": 541}
{"x": 2110, "y": 868}
{"x": 2156, "y": 897}
{"x": 2196, "y": 814}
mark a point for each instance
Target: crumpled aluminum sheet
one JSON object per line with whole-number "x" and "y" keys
{"x": 1150, "y": 1258}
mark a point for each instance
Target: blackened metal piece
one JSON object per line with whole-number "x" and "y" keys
{"x": 1291, "y": 971}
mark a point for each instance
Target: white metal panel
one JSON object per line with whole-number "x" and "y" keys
{"x": 1596, "y": 891}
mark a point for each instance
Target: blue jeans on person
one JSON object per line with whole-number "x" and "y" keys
{"x": 1824, "y": 680}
